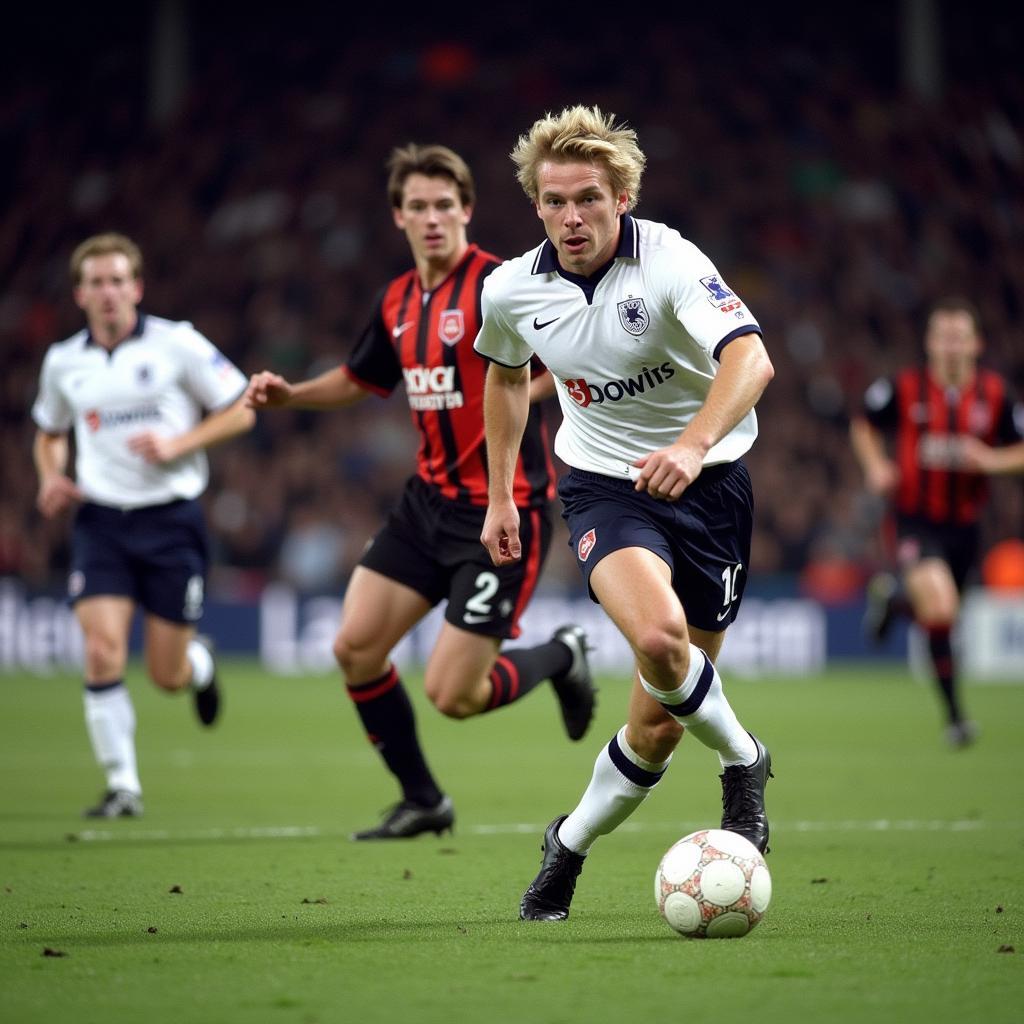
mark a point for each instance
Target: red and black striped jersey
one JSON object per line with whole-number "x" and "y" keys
{"x": 927, "y": 422}
{"x": 426, "y": 340}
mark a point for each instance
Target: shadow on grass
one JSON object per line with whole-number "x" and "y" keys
{"x": 603, "y": 930}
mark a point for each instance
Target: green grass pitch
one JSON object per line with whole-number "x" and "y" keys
{"x": 898, "y": 865}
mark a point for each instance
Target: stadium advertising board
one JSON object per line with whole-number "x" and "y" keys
{"x": 292, "y": 634}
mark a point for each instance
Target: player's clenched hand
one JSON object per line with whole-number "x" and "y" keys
{"x": 155, "y": 449}
{"x": 975, "y": 455}
{"x": 501, "y": 534}
{"x": 267, "y": 390}
{"x": 56, "y": 493}
{"x": 666, "y": 473}
{"x": 882, "y": 477}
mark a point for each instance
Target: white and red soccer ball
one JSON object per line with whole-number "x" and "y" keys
{"x": 712, "y": 884}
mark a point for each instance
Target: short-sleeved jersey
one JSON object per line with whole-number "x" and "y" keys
{"x": 927, "y": 423}
{"x": 162, "y": 378}
{"x": 635, "y": 347}
{"x": 426, "y": 340}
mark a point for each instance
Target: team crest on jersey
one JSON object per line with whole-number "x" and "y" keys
{"x": 718, "y": 294}
{"x": 224, "y": 367}
{"x": 451, "y": 326}
{"x": 979, "y": 418}
{"x": 633, "y": 316}
{"x": 586, "y": 545}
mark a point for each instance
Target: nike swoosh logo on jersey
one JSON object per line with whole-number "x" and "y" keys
{"x": 472, "y": 620}
{"x": 399, "y": 329}
{"x": 537, "y": 326}
{"x": 722, "y": 615}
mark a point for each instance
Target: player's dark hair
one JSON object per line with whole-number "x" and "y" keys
{"x": 957, "y": 304}
{"x": 433, "y": 161}
{"x": 104, "y": 245}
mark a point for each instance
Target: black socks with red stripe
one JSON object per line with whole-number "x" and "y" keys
{"x": 519, "y": 671}
{"x": 941, "y": 650}
{"x": 387, "y": 715}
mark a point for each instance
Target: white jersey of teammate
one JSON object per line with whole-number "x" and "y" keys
{"x": 635, "y": 347}
{"x": 162, "y": 379}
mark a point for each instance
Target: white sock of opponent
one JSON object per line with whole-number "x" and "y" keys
{"x": 110, "y": 722}
{"x": 700, "y": 705}
{"x": 201, "y": 660}
{"x": 621, "y": 782}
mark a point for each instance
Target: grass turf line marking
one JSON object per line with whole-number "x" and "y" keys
{"x": 313, "y": 831}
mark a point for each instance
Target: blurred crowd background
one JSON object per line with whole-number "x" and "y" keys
{"x": 843, "y": 170}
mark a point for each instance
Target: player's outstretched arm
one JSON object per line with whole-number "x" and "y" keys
{"x": 214, "y": 429}
{"x": 267, "y": 390}
{"x": 993, "y": 461}
{"x": 880, "y": 473}
{"x": 331, "y": 390}
{"x": 57, "y": 491}
{"x": 506, "y": 407}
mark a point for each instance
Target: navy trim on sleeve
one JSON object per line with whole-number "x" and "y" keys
{"x": 733, "y": 335}
{"x": 498, "y": 362}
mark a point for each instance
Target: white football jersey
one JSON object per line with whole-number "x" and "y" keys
{"x": 634, "y": 348}
{"x": 161, "y": 379}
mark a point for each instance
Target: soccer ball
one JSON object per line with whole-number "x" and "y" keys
{"x": 712, "y": 884}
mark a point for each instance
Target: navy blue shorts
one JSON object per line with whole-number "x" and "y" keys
{"x": 704, "y": 537}
{"x": 432, "y": 544}
{"x": 157, "y": 556}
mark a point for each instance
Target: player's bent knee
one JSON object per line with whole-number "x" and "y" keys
{"x": 453, "y": 705}
{"x": 105, "y": 655}
{"x": 350, "y": 656}
{"x": 937, "y": 620}
{"x": 342, "y": 652}
{"x": 170, "y": 677}
{"x": 667, "y": 646}
{"x": 359, "y": 662}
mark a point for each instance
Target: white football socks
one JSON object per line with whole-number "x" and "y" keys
{"x": 201, "y": 660}
{"x": 700, "y": 704}
{"x": 621, "y": 782}
{"x": 110, "y": 722}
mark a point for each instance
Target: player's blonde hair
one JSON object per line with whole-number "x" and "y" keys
{"x": 435, "y": 162}
{"x": 586, "y": 134}
{"x": 104, "y": 245}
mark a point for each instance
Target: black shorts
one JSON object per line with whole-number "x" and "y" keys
{"x": 432, "y": 544}
{"x": 704, "y": 537}
{"x": 157, "y": 556}
{"x": 957, "y": 545}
